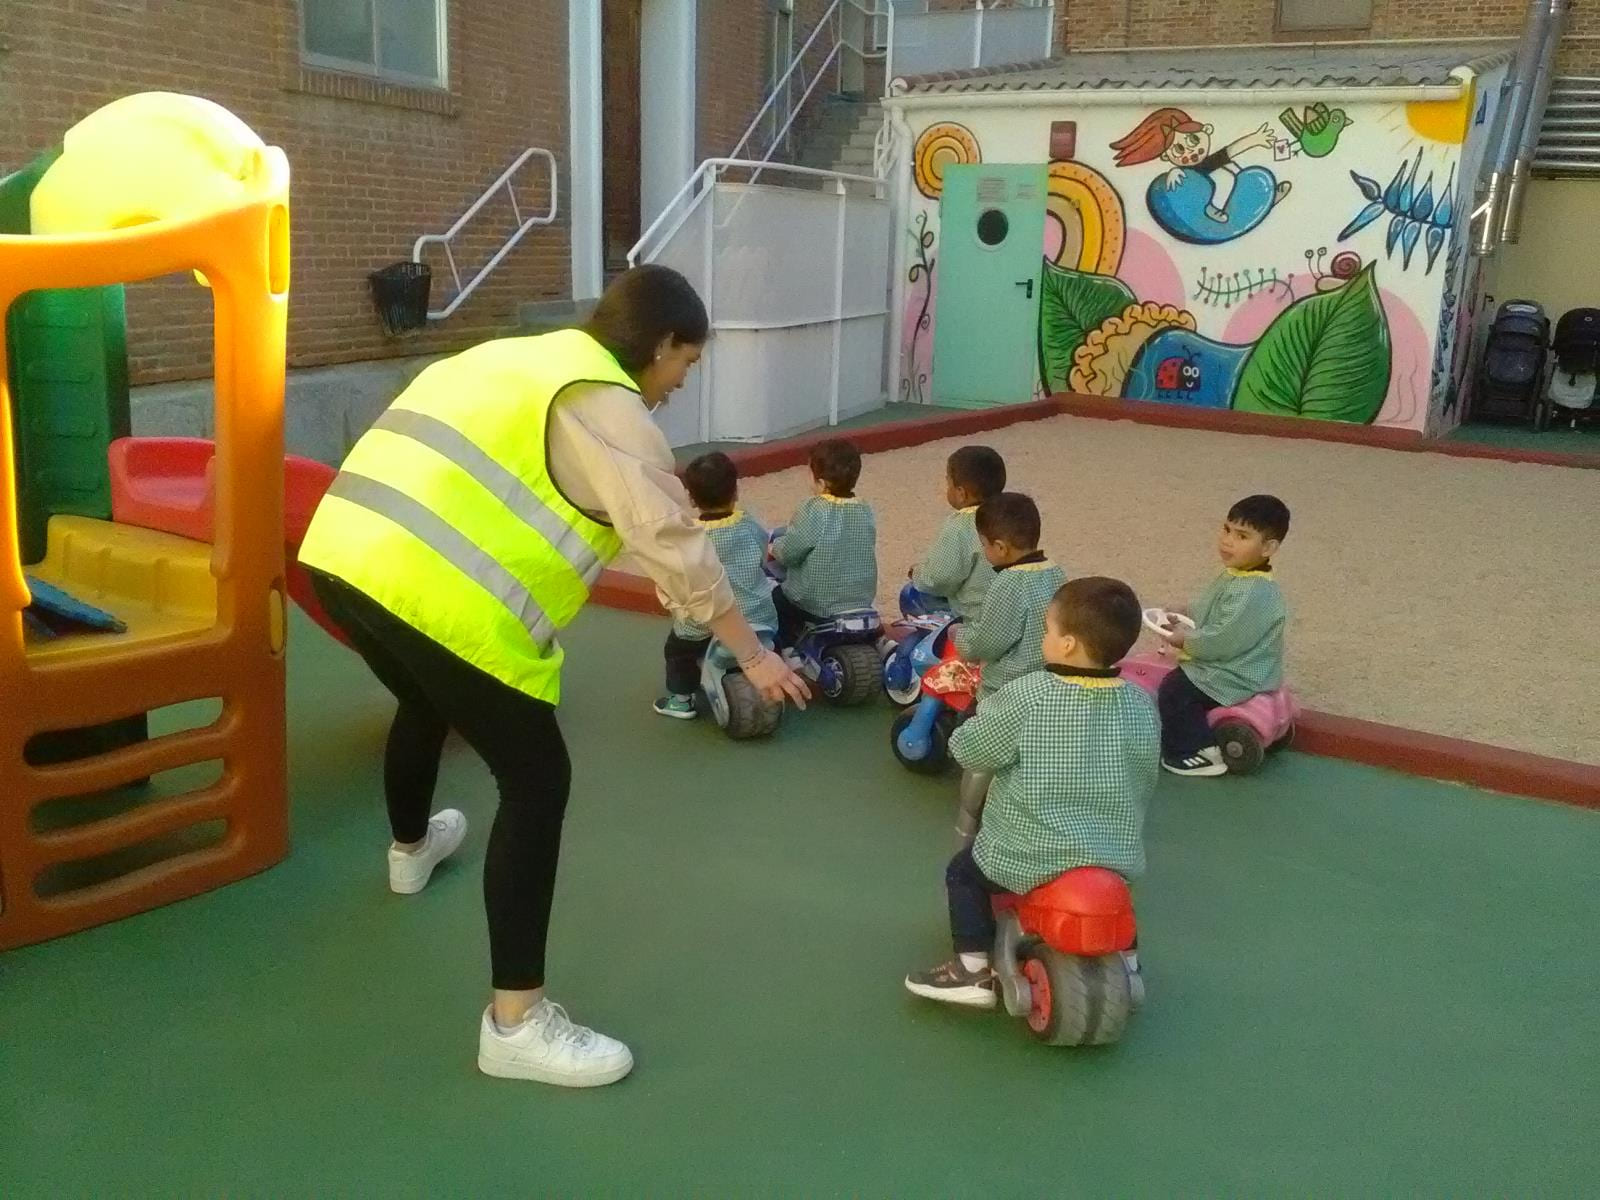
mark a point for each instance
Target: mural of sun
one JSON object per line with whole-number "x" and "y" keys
{"x": 1089, "y": 212}
{"x": 1443, "y": 121}
{"x": 940, "y": 146}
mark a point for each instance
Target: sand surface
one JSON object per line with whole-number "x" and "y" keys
{"x": 1455, "y": 596}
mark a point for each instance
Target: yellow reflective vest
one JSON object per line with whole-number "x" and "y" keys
{"x": 446, "y": 514}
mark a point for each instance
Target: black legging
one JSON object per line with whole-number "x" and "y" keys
{"x": 516, "y": 735}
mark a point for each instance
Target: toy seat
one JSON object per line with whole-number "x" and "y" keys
{"x": 1086, "y": 911}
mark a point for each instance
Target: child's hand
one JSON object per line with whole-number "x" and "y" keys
{"x": 1178, "y": 635}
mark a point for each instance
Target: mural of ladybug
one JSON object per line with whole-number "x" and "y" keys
{"x": 1179, "y": 373}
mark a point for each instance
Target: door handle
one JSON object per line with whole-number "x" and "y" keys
{"x": 1026, "y": 283}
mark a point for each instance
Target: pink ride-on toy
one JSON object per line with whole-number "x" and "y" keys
{"x": 1246, "y": 731}
{"x": 1061, "y": 956}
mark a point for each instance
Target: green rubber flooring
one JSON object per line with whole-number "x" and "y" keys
{"x": 1360, "y": 984}
{"x": 1564, "y": 440}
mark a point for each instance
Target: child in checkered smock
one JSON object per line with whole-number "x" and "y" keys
{"x": 829, "y": 549}
{"x": 1235, "y": 650}
{"x": 954, "y": 575}
{"x": 1004, "y": 639}
{"x": 713, "y": 484}
{"x": 1074, "y": 751}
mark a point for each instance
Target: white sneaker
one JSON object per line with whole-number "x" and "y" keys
{"x": 409, "y": 872}
{"x": 1202, "y": 764}
{"x": 550, "y": 1048}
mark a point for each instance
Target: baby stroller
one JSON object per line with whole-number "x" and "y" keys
{"x": 1573, "y": 387}
{"x": 1511, "y": 381}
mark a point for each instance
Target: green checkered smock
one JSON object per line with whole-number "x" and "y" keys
{"x": 742, "y": 546}
{"x": 830, "y": 550}
{"x": 1236, "y": 648}
{"x": 954, "y": 566}
{"x": 1006, "y": 637}
{"x": 1075, "y": 759}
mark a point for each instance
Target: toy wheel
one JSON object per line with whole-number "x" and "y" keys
{"x": 749, "y": 716}
{"x": 1075, "y": 1001}
{"x": 908, "y": 694}
{"x": 932, "y": 763}
{"x": 1241, "y": 748}
{"x": 850, "y": 674}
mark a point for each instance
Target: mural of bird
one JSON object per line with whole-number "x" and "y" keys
{"x": 1316, "y": 128}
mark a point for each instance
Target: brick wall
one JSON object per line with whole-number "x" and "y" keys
{"x": 734, "y": 38}
{"x": 372, "y": 168}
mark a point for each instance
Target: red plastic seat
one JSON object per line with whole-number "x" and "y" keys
{"x": 1087, "y": 911}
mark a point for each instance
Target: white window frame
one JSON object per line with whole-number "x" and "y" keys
{"x": 372, "y": 70}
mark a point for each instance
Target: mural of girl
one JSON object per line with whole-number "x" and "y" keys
{"x": 1206, "y": 198}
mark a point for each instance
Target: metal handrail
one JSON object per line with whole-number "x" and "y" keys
{"x": 707, "y": 172}
{"x": 523, "y": 225}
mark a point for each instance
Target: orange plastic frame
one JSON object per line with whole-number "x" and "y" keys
{"x": 243, "y": 253}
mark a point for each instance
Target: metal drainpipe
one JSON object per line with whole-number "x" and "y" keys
{"x": 1533, "y": 122}
{"x": 1508, "y": 124}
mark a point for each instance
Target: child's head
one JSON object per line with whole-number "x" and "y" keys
{"x": 973, "y": 474}
{"x": 713, "y": 482}
{"x": 836, "y": 465}
{"x": 1008, "y": 528}
{"x": 1254, "y": 529}
{"x": 1091, "y": 622}
{"x": 1168, "y": 133}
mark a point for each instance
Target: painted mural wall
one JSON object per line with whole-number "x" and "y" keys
{"x": 1299, "y": 258}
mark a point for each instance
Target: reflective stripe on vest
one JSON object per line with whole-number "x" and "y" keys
{"x": 446, "y": 514}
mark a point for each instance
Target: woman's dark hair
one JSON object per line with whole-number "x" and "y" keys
{"x": 642, "y": 307}
{"x": 978, "y": 469}
{"x": 712, "y": 481}
{"x": 1101, "y": 613}
{"x": 1267, "y": 515}
{"x": 838, "y": 464}
{"x": 1011, "y": 518}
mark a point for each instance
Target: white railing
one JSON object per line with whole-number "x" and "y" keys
{"x": 463, "y": 290}
{"x": 795, "y": 283}
{"x": 986, "y": 35}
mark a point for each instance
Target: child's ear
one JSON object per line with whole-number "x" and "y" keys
{"x": 1270, "y": 546}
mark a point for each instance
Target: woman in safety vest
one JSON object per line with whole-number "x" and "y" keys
{"x": 466, "y": 528}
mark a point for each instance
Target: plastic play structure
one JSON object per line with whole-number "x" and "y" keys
{"x": 95, "y": 823}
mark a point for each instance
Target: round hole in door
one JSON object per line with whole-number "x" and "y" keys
{"x": 992, "y": 227}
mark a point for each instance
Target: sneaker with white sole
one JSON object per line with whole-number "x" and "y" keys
{"x": 1207, "y": 763}
{"x": 951, "y": 983}
{"x": 679, "y": 708}
{"x": 550, "y": 1048}
{"x": 409, "y": 871}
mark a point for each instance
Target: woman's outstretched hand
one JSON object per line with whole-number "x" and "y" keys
{"x": 775, "y": 679}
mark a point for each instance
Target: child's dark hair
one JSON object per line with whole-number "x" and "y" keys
{"x": 642, "y": 307}
{"x": 979, "y": 470}
{"x": 1011, "y": 518}
{"x": 713, "y": 481}
{"x": 1101, "y": 613}
{"x": 1267, "y": 515}
{"x": 838, "y": 464}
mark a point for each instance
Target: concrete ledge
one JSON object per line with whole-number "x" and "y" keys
{"x": 1222, "y": 420}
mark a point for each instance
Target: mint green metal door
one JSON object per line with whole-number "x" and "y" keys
{"x": 986, "y": 317}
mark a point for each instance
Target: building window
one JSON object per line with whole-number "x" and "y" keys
{"x": 399, "y": 40}
{"x": 1317, "y": 16}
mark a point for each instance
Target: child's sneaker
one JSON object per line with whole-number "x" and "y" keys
{"x": 679, "y": 708}
{"x": 409, "y": 871}
{"x": 952, "y": 983}
{"x": 550, "y": 1048}
{"x": 1206, "y": 763}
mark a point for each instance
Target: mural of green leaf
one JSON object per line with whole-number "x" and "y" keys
{"x": 1071, "y": 303}
{"x": 1327, "y": 356}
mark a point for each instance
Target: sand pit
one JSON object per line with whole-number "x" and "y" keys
{"x": 1454, "y": 596}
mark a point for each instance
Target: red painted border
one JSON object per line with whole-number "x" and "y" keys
{"x": 1221, "y": 420}
{"x": 1432, "y": 756}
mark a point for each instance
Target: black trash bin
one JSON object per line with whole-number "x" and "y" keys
{"x": 400, "y": 291}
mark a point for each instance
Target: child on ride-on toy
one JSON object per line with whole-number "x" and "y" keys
{"x": 1074, "y": 751}
{"x": 829, "y": 549}
{"x": 1004, "y": 639}
{"x": 1235, "y": 649}
{"x": 713, "y": 485}
{"x": 954, "y": 575}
